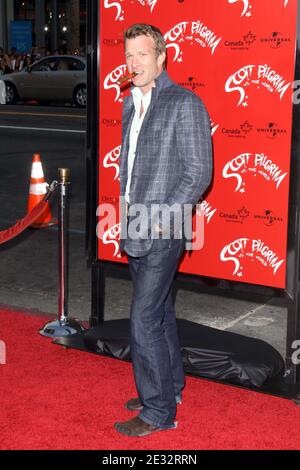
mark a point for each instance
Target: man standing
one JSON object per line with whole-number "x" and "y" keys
{"x": 165, "y": 162}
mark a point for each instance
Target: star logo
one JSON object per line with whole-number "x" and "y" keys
{"x": 249, "y": 38}
{"x": 246, "y": 127}
{"x": 243, "y": 213}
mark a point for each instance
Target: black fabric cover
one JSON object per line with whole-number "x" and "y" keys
{"x": 206, "y": 352}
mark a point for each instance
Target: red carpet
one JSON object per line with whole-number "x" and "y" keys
{"x": 53, "y": 398}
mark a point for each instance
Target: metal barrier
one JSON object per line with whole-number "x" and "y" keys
{"x": 63, "y": 326}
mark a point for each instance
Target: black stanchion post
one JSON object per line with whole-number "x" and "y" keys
{"x": 63, "y": 326}
{"x": 64, "y": 176}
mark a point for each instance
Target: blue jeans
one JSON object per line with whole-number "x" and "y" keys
{"x": 155, "y": 349}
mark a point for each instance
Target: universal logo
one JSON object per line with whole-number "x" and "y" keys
{"x": 272, "y": 130}
{"x": 237, "y": 217}
{"x": 238, "y": 133}
{"x": 192, "y": 83}
{"x": 111, "y": 122}
{"x": 243, "y": 44}
{"x": 276, "y": 40}
{"x": 268, "y": 218}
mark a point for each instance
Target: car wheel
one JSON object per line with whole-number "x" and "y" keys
{"x": 11, "y": 94}
{"x": 80, "y": 96}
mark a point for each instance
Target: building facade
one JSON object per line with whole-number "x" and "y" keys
{"x": 56, "y": 24}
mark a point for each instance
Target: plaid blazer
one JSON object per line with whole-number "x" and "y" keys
{"x": 173, "y": 161}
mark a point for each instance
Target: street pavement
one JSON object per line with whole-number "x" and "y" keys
{"x": 29, "y": 263}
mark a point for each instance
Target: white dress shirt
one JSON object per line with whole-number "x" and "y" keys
{"x": 138, "y": 99}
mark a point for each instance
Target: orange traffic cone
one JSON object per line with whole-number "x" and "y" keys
{"x": 37, "y": 191}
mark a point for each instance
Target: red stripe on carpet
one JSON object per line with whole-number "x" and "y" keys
{"x": 56, "y": 398}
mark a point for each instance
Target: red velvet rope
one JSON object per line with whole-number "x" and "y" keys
{"x": 22, "y": 224}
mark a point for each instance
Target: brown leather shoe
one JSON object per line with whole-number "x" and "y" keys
{"x": 134, "y": 404}
{"x": 136, "y": 427}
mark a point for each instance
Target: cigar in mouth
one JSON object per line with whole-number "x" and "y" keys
{"x": 127, "y": 78}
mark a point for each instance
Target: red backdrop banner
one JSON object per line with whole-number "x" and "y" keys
{"x": 239, "y": 57}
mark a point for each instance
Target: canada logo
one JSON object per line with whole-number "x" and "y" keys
{"x": 119, "y": 9}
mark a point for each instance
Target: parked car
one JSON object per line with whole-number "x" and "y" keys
{"x": 53, "y": 78}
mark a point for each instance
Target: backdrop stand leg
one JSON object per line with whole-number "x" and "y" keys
{"x": 98, "y": 293}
